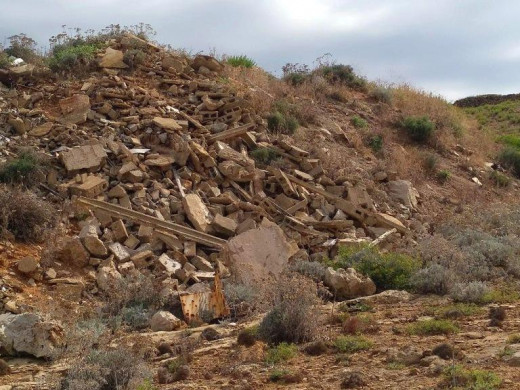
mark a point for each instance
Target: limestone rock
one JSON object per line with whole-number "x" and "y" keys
{"x": 224, "y": 225}
{"x": 167, "y": 124}
{"x": 27, "y": 265}
{"x": 107, "y": 276}
{"x": 95, "y": 246}
{"x": 347, "y": 284}
{"x": 75, "y": 109}
{"x": 258, "y": 254}
{"x": 403, "y": 192}
{"x": 29, "y": 333}
{"x": 197, "y": 212}
{"x": 164, "y": 321}
{"x": 88, "y": 157}
{"x": 74, "y": 253}
{"x": 113, "y": 59}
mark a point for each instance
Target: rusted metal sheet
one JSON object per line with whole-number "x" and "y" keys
{"x": 205, "y": 306}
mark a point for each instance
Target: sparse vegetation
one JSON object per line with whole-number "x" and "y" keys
{"x": 281, "y": 353}
{"x": 292, "y": 318}
{"x": 457, "y": 310}
{"x": 106, "y": 369}
{"x": 352, "y": 344}
{"x": 443, "y": 175}
{"x": 25, "y": 169}
{"x": 280, "y": 123}
{"x": 382, "y": 94}
{"x": 134, "y": 57}
{"x": 510, "y": 159}
{"x": 432, "y": 327}
{"x": 241, "y": 61}
{"x": 359, "y": 122}
{"x": 470, "y": 379}
{"x": 376, "y": 143}
{"x": 419, "y": 129}
{"x": 499, "y": 179}
{"x": 68, "y": 57}
{"x": 342, "y": 74}
{"x": 265, "y": 155}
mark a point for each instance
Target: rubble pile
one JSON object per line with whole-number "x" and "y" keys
{"x": 166, "y": 151}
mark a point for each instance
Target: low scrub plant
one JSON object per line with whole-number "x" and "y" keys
{"x": 376, "y": 143}
{"x": 459, "y": 377}
{"x": 282, "y": 123}
{"x": 358, "y": 122}
{"x": 432, "y": 327}
{"x": 24, "y": 215}
{"x": 419, "y": 129}
{"x": 107, "y": 369}
{"x": 499, "y": 179}
{"x": 241, "y": 61}
{"x": 25, "y": 169}
{"x": 68, "y": 57}
{"x": 473, "y": 292}
{"x": 293, "y": 317}
{"x": 281, "y": 353}
{"x": 352, "y": 344}
{"x": 382, "y": 94}
{"x": 265, "y": 155}
{"x": 443, "y": 175}
{"x": 510, "y": 159}
{"x": 342, "y": 74}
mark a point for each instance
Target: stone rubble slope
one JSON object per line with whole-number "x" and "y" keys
{"x": 170, "y": 141}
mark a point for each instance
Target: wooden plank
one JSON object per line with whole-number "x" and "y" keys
{"x": 231, "y": 133}
{"x": 163, "y": 227}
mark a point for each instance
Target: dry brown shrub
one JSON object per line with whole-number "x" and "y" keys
{"x": 293, "y": 317}
{"x": 24, "y": 215}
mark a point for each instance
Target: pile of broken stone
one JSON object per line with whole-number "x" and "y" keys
{"x": 166, "y": 145}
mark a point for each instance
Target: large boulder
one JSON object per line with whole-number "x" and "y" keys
{"x": 403, "y": 192}
{"x": 29, "y": 333}
{"x": 259, "y": 254}
{"x": 348, "y": 283}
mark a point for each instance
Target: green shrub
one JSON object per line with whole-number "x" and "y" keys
{"x": 472, "y": 292}
{"x": 462, "y": 378}
{"x": 281, "y": 353}
{"x": 351, "y": 344}
{"x": 504, "y": 294}
{"x": 419, "y": 129}
{"x": 68, "y": 57}
{"x": 242, "y": 60}
{"x": 432, "y": 327}
{"x": 376, "y": 143}
{"x": 443, "y": 175}
{"x": 4, "y": 60}
{"x": 359, "y": 122}
{"x": 285, "y": 124}
{"x": 510, "y": 159}
{"x": 387, "y": 270}
{"x": 500, "y": 179}
{"x": 24, "y": 170}
{"x": 136, "y": 316}
{"x": 337, "y": 96}
{"x": 382, "y": 94}
{"x": 457, "y": 310}
{"x": 510, "y": 140}
{"x": 342, "y": 74}
{"x": 24, "y": 47}
{"x": 265, "y": 155}
{"x": 295, "y": 74}
{"x": 430, "y": 162}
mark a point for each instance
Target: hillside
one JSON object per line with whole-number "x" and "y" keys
{"x": 176, "y": 221}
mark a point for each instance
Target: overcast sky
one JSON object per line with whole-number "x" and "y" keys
{"x": 451, "y": 47}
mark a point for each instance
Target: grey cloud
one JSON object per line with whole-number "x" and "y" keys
{"x": 454, "y": 48}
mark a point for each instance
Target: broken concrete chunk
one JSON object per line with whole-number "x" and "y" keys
{"x": 95, "y": 246}
{"x": 145, "y": 233}
{"x": 224, "y": 225}
{"x": 117, "y": 192}
{"x": 42, "y": 130}
{"x": 202, "y": 264}
{"x": 29, "y": 333}
{"x": 87, "y": 157}
{"x": 208, "y": 62}
{"x": 119, "y": 230}
{"x": 168, "y": 124}
{"x": 91, "y": 187}
{"x": 168, "y": 264}
{"x": 140, "y": 259}
{"x": 236, "y": 172}
{"x": 120, "y": 252}
{"x": 197, "y": 212}
{"x": 107, "y": 277}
